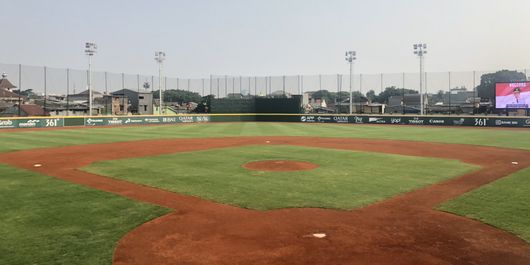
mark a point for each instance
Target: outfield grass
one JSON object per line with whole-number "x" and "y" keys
{"x": 49, "y": 221}
{"x": 504, "y": 203}
{"x": 344, "y": 180}
{"x": 21, "y": 140}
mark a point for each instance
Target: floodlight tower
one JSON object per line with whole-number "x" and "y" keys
{"x": 350, "y": 58}
{"x": 160, "y": 57}
{"x": 90, "y": 50}
{"x": 420, "y": 50}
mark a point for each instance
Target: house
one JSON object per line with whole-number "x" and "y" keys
{"x": 408, "y": 103}
{"x": 26, "y": 110}
{"x": 6, "y": 93}
{"x": 83, "y": 96}
{"x": 141, "y": 102}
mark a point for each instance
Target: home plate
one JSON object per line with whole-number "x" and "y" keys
{"x": 37, "y": 165}
{"x": 319, "y": 235}
{"x": 515, "y": 163}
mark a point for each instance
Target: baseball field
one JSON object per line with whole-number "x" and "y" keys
{"x": 265, "y": 193}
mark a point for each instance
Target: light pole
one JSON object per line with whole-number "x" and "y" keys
{"x": 350, "y": 58}
{"x": 159, "y": 58}
{"x": 90, "y": 50}
{"x": 420, "y": 50}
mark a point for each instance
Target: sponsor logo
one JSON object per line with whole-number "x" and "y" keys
{"x": 152, "y": 120}
{"x": 376, "y": 120}
{"x": 480, "y": 122}
{"x": 416, "y": 121}
{"x": 459, "y": 122}
{"x": 186, "y": 119}
{"x": 52, "y": 123}
{"x": 6, "y": 124}
{"x": 115, "y": 121}
{"x": 323, "y": 118}
{"x": 503, "y": 122}
{"x": 91, "y": 121}
{"x": 202, "y": 119}
{"x": 340, "y": 119}
{"x": 169, "y": 119}
{"x": 435, "y": 121}
{"x": 131, "y": 121}
{"x": 307, "y": 119}
{"x": 527, "y": 122}
{"x": 29, "y": 124}
{"x": 395, "y": 120}
{"x": 358, "y": 119}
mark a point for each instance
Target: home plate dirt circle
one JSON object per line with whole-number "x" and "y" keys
{"x": 279, "y": 165}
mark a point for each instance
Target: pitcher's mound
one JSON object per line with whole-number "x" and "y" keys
{"x": 279, "y": 165}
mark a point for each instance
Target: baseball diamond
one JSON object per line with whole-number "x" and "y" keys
{"x": 258, "y": 193}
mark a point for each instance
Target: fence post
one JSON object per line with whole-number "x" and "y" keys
{"x": 320, "y": 82}
{"x": 283, "y": 85}
{"x": 45, "y": 90}
{"x": 302, "y": 84}
{"x": 226, "y": 85}
{"x": 211, "y": 85}
{"x": 67, "y": 91}
{"x": 403, "y": 96}
{"x": 474, "y": 92}
{"x": 19, "y": 89}
{"x": 450, "y": 108}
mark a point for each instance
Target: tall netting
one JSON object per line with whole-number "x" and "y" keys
{"x": 50, "y": 85}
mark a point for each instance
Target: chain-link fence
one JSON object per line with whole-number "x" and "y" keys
{"x": 46, "y": 82}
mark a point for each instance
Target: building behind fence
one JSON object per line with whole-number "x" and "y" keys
{"x": 56, "y": 91}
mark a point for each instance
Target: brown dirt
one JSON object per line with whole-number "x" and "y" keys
{"x": 279, "y": 165}
{"x": 402, "y": 230}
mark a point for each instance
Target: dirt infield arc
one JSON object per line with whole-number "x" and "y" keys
{"x": 401, "y": 230}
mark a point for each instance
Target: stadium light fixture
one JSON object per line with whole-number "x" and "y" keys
{"x": 351, "y": 56}
{"x": 420, "y": 50}
{"x": 159, "y": 58}
{"x": 90, "y": 50}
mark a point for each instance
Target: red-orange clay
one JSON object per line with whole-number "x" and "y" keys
{"x": 404, "y": 229}
{"x": 279, "y": 165}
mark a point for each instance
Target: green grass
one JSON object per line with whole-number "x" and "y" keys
{"x": 344, "y": 180}
{"x": 49, "y": 221}
{"x": 12, "y": 141}
{"x": 504, "y": 203}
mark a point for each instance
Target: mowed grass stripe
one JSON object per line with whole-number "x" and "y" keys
{"x": 12, "y": 141}
{"x": 344, "y": 180}
{"x": 504, "y": 203}
{"x": 49, "y": 221}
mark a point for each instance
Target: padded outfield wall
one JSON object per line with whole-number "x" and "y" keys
{"x": 473, "y": 121}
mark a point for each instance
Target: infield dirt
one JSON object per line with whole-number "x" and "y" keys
{"x": 402, "y": 230}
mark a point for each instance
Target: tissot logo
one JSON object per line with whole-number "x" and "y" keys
{"x": 416, "y": 120}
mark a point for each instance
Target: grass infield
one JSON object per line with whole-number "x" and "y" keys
{"x": 504, "y": 203}
{"x": 344, "y": 180}
{"x": 49, "y": 221}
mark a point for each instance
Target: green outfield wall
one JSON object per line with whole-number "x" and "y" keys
{"x": 97, "y": 121}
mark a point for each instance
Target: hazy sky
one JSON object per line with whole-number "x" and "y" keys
{"x": 273, "y": 37}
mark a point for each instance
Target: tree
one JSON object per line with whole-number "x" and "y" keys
{"x": 486, "y": 89}
{"x": 391, "y": 91}
{"x": 371, "y": 95}
{"x": 204, "y": 105}
{"x": 179, "y": 96}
